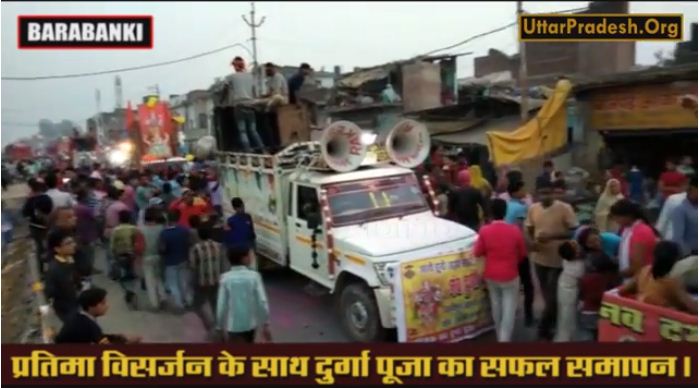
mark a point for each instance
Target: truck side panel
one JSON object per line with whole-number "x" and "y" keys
{"x": 259, "y": 191}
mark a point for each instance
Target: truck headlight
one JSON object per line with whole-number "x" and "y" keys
{"x": 384, "y": 271}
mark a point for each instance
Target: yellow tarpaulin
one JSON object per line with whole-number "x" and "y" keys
{"x": 543, "y": 134}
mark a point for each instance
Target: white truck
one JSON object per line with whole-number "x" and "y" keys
{"x": 342, "y": 225}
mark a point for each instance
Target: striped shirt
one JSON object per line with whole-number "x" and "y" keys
{"x": 94, "y": 202}
{"x": 206, "y": 257}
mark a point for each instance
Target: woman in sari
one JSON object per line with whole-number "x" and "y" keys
{"x": 610, "y": 196}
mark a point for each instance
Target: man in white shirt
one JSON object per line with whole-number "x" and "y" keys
{"x": 59, "y": 198}
{"x": 664, "y": 224}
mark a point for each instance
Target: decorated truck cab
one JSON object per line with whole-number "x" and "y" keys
{"x": 339, "y": 217}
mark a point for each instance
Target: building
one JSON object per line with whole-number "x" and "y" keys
{"x": 686, "y": 52}
{"x": 197, "y": 108}
{"x": 576, "y": 60}
{"x": 633, "y": 111}
{"x": 111, "y": 126}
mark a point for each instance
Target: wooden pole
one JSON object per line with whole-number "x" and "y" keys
{"x": 524, "y": 103}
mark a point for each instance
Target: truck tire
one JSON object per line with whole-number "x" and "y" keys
{"x": 359, "y": 313}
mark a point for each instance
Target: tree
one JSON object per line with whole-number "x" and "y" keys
{"x": 66, "y": 127}
{"x": 47, "y": 129}
{"x": 664, "y": 58}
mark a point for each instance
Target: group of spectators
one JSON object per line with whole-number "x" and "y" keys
{"x": 574, "y": 263}
{"x": 164, "y": 241}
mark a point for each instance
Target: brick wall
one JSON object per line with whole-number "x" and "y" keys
{"x": 494, "y": 62}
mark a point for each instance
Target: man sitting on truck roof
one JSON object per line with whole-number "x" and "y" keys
{"x": 297, "y": 80}
{"x": 277, "y": 88}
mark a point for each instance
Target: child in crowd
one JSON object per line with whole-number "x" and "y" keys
{"x": 601, "y": 275}
{"x": 654, "y": 284}
{"x": 62, "y": 279}
{"x": 567, "y": 295}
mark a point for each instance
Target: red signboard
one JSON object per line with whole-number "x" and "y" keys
{"x": 623, "y": 319}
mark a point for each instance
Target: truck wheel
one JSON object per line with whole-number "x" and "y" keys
{"x": 359, "y": 313}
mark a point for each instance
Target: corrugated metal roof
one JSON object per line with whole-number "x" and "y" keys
{"x": 358, "y": 78}
{"x": 452, "y": 126}
{"x": 652, "y": 75}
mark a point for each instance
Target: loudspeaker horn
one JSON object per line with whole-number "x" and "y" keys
{"x": 341, "y": 146}
{"x": 408, "y": 143}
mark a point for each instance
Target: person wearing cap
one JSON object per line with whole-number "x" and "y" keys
{"x": 241, "y": 95}
{"x": 297, "y": 80}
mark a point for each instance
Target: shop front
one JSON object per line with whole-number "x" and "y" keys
{"x": 644, "y": 122}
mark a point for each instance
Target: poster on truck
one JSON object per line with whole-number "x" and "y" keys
{"x": 155, "y": 128}
{"x": 441, "y": 299}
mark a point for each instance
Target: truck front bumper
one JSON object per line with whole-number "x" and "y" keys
{"x": 387, "y": 306}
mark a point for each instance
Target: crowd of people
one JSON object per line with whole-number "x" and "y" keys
{"x": 167, "y": 245}
{"x": 164, "y": 240}
{"x": 574, "y": 262}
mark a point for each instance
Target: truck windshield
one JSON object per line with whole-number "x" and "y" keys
{"x": 375, "y": 199}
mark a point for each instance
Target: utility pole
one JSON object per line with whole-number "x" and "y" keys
{"x": 253, "y": 26}
{"x": 524, "y": 103}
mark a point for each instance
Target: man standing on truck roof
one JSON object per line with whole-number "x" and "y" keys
{"x": 297, "y": 80}
{"x": 241, "y": 96}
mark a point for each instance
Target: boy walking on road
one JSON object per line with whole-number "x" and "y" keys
{"x": 242, "y": 301}
{"x": 175, "y": 241}
{"x": 207, "y": 260}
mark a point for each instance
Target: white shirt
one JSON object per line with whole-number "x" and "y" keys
{"x": 663, "y": 225}
{"x": 60, "y": 198}
{"x": 276, "y": 84}
{"x": 215, "y": 194}
{"x": 573, "y": 270}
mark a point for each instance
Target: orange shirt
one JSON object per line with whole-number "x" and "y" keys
{"x": 665, "y": 292}
{"x": 199, "y": 208}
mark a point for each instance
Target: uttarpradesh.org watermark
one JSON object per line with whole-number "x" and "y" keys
{"x": 600, "y": 27}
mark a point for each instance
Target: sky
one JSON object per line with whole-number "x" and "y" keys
{"x": 323, "y": 34}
